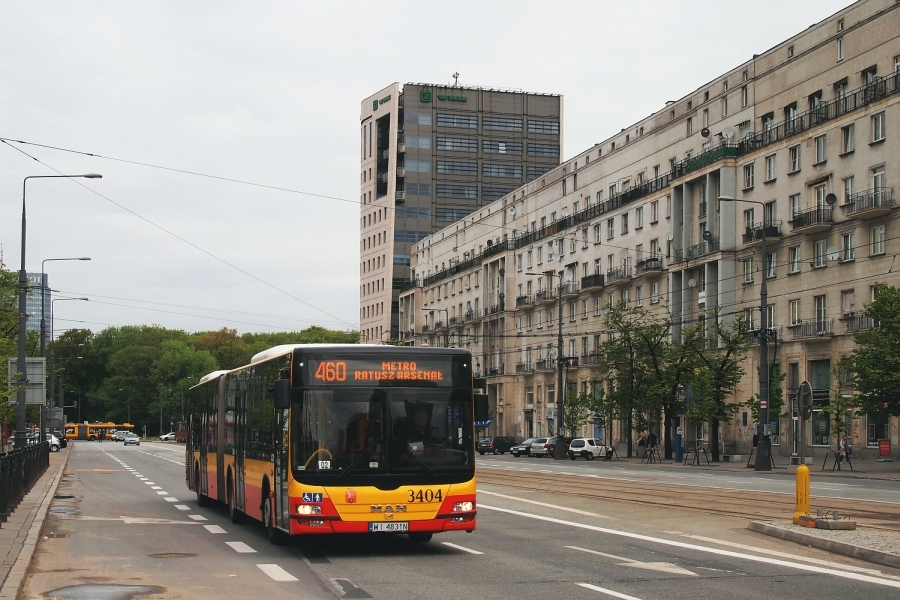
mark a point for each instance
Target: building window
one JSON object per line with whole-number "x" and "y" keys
{"x": 690, "y": 126}
{"x": 877, "y": 238}
{"x": 497, "y": 147}
{"x": 794, "y": 200}
{"x": 654, "y": 211}
{"x": 820, "y": 149}
{"x": 848, "y": 252}
{"x": 639, "y": 295}
{"x": 878, "y": 180}
{"x": 610, "y": 229}
{"x": 549, "y": 150}
{"x": 551, "y": 127}
{"x": 794, "y": 259}
{"x": 654, "y": 292}
{"x": 770, "y": 168}
{"x": 451, "y": 167}
{"x": 820, "y": 254}
{"x": 840, "y": 49}
{"x": 748, "y": 270}
{"x": 848, "y": 188}
{"x": 821, "y": 311}
{"x": 795, "y": 158}
{"x": 457, "y": 120}
{"x": 745, "y": 97}
{"x": 639, "y": 217}
{"x": 457, "y": 191}
{"x": 795, "y": 312}
{"x": 878, "y": 127}
{"x": 771, "y": 265}
{"x": 847, "y": 144}
{"x": 501, "y": 123}
{"x": 624, "y": 223}
{"x": 457, "y": 144}
{"x": 848, "y": 302}
{"x": 496, "y": 170}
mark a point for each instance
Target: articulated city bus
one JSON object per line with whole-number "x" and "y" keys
{"x": 320, "y": 439}
{"x": 93, "y": 431}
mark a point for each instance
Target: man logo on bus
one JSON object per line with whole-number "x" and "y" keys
{"x": 350, "y": 496}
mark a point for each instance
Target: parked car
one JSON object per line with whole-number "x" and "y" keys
{"x": 55, "y": 444}
{"x": 523, "y": 449}
{"x": 589, "y": 448}
{"x": 167, "y": 437}
{"x": 494, "y": 445}
{"x": 132, "y": 439}
{"x": 539, "y": 447}
{"x": 551, "y": 445}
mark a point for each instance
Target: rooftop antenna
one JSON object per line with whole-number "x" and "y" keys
{"x": 455, "y": 79}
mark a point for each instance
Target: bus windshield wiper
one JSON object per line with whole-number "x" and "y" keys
{"x": 418, "y": 460}
{"x": 359, "y": 459}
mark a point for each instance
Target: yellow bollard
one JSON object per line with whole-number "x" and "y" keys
{"x": 802, "y": 493}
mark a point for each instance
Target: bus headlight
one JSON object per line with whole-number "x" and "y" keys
{"x": 463, "y": 506}
{"x": 309, "y": 509}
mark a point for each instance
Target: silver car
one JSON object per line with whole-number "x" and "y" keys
{"x": 540, "y": 447}
{"x": 132, "y": 439}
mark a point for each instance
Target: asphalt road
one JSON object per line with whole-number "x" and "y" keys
{"x": 118, "y": 529}
{"x": 825, "y": 487}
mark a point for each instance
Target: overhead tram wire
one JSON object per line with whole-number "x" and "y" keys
{"x": 189, "y": 243}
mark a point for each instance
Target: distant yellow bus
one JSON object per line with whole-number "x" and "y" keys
{"x": 94, "y": 431}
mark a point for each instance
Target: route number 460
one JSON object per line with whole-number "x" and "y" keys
{"x": 425, "y": 496}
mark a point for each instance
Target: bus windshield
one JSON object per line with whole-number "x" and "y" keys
{"x": 343, "y": 434}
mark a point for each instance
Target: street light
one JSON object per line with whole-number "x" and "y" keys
{"x": 53, "y": 348}
{"x": 763, "y": 444}
{"x": 23, "y": 294}
{"x": 44, "y": 325}
{"x": 446, "y": 323}
{"x": 559, "y": 452}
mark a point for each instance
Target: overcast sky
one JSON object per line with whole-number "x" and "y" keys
{"x": 269, "y": 93}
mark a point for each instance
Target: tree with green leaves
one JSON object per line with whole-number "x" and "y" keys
{"x": 577, "y": 408}
{"x": 776, "y": 395}
{"x": 720, "y": 357}
{"x": 875, "y": 362}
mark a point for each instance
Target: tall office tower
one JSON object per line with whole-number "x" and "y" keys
{"x": 431, "y": 155}
{"x": 33, "y": 304}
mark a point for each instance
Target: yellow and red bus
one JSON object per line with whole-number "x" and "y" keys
{"x": 93, "y": 431}
{"x": 321, "y": 439}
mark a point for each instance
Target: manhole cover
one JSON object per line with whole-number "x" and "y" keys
{"x": 172, "y": 555}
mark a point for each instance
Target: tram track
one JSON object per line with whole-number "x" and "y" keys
{"x": 710, "y": 500}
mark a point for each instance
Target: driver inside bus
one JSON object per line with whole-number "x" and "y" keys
{"x": 414, "y": 430}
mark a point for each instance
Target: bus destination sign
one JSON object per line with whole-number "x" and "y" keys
{"x": 368, "y": 371}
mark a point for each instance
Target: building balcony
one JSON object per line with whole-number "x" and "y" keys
{"x": 543, "y": 365}
{"x": 813, "y": 220}
{"x": 524, "y": 367}
{"x": 589, "y": 359}
{"x": 697, "y": 250}
{"x": 592, "y": 282}
{"x": 426, "y": 328}
{"x": 859, "y": 322}
{"x": 524, "y": 301}
{"x": 622, "y": 274}
{"x": 654, "y": 264}
{"x": 472, "y": 315}
{"x": 869, "y": 204}
{"x": 545, "y": 297}
{"x": 439, "y": 325}
{"x": 820, "y": 328}
{"x": 772, "y": 334}
{"x": 492, "y": 310}
{"x": 570, "y": 288}
{"x": 456, "y": 321}
{"x": 771, "y": 230}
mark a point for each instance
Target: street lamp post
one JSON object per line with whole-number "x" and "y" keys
{"x": 763, "y": 444}
{"x": 446, "y": 323}
{"x": 44, "y": 325}
{"x": 559, "y": 452}
{"x": 23, "y": 315}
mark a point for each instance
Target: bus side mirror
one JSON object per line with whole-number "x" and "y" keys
{"x": 280, "y": 390}
{"x": 481, "y": 407}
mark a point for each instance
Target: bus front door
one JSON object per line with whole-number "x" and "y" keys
{"x": 282, "y": 505}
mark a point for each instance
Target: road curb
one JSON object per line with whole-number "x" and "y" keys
{"x": 867, "y": 554}
{"x": 16, "y": 577}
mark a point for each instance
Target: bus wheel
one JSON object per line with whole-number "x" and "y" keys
{"x": 419, "y": 537}
{"x": 276, "y": 536}
{"x": 234, "y": 514}
{"x": 201, "y": 499}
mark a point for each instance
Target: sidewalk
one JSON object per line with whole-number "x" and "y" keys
{"x": 20, "y": 534}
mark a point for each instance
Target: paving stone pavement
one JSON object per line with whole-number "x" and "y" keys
{"x": 20, "y": 534}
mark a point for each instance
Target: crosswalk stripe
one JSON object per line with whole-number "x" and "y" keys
{"x": 276, "y": 573}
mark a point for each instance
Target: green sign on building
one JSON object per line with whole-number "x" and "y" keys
{"x": 425, "y": 96}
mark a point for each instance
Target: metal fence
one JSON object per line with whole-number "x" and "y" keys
{"x": 19, "y": 470}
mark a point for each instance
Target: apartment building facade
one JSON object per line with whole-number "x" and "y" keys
{"x": 800, "y": 137}
{"x": 431, "y": 155}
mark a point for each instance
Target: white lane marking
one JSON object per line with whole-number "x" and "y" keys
{"x": 719, "y": 551}
{"x": 163, "y": 493}
{"x": 608, "y": 592}
{"x": 276, "y": 573}
{"x": 663, "y": 567}
{"x": 143, "y": 479}
{"x": 815, "y": 561}
{"x": 177, "y": 462}
{"x": 463, "y": 548}
{"x": 149, "y": 483}
{"x": 155, "y": 487}
{"x": 197, "y": 517}
{"x": 214, "y": 529}
{"x": 170, "y": 499}
{"x": 182, "y": 507}
{"x": 240, "y": 547}
{"x": 553, "y": 506}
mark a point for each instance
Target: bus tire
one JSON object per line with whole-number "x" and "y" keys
{"x": 276, "y": 536}
{"x": 420, "y": 537}
{"x": 201, "y": 499}
{"x": 234, "y": 514}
